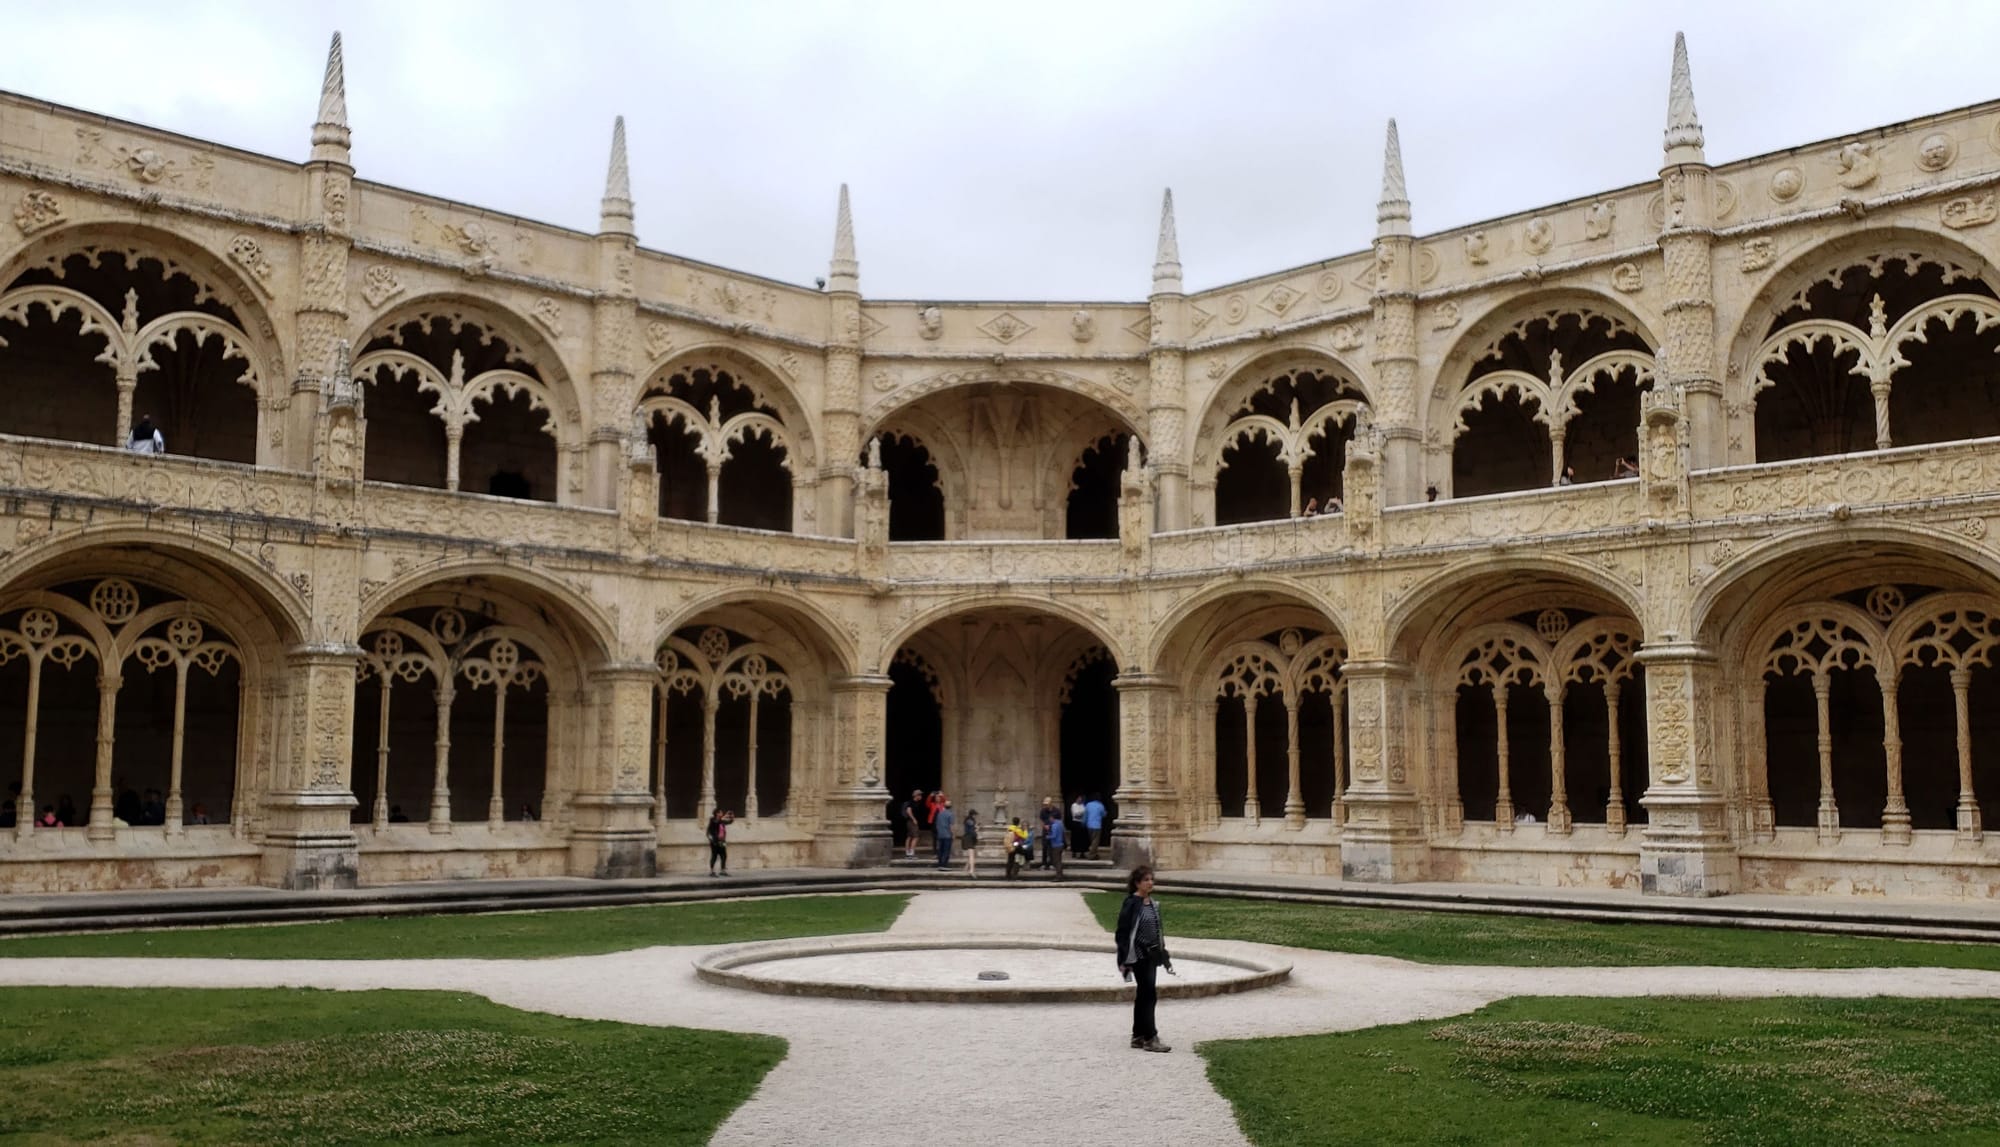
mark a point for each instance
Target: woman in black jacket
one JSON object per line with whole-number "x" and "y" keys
{"x": 1142, "y": 952}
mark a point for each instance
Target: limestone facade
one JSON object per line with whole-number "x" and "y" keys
{"x": 1659, "y": 558}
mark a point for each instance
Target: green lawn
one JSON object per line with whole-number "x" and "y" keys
{"x": 80, "y": 1065}
{"x": 499, "y": 936}
{"x": 1520, "y": 941}
{"x": 1632, "y": 1072}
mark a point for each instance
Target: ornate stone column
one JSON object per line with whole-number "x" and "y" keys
{"x": 852, "y": 833}
{"x": 1686, "y": 850}
{"x": 325, "y": 244}
{"x": 308, "y": 840}
{"x": 611, "y": 833}
{"x": 1394, "y": 334}
{"x": 1383, "y": 840}
{"x": 1149, "y": 828}
{"x": 1687, "y": 233}
{"x": 614, "y": 316}
{"x": 841, "y": 414}
{"x": 1166, "y": 388}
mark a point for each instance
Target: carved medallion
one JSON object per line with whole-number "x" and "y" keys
{"x": 1786, "y": 183}
{"x": 37, "y": 210}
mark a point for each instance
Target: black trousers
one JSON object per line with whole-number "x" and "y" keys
{"x": 1145, "y": 975}
{"x": 718, "y": 851}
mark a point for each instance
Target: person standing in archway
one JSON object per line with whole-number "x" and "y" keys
{"x": 972, "y": 843}
{"x": 1093, "y": 825}
{"x": 941, "y": 827}
{"x": 1142, "y": 952}
{"x": 718, "y": 842}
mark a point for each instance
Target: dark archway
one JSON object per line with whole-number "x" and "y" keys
{"x": 914, "y": 746}
{"x": 916, "y": 498}
{"x": 1089, "y": 747}
{"x": 1094, "y": 488}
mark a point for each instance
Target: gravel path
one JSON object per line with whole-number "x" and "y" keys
{"x": 857, "y": 1070}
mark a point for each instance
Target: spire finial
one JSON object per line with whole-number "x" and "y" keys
{"x": 1167, "y": 258}
{"x": 1684, "y": 140}
{"x": 330, "y": 137}
{"x": 1392, "y": 213}
{"x": 843, "y": 271}
{"x": 614, "y": 216}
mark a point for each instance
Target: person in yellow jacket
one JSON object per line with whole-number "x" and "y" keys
{"x": 1019, "y": 848}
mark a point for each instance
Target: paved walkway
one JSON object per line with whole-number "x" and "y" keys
{"x": 857, "y": 1069}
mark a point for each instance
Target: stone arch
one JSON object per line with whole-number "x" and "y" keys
{"x": 771, "y": 384}
{"x": 827, "y": 637}
{"x": 207, "y": 567}
{"x": 1272, "y": 430}
{"x": 1914, "y": 247}
{"x": 1076, "y": 615}
{"x": 1443, "y": 409}
{"x": 741, "y": 456}
{"x": 589, "y": 634}
{"x": 186, "y": 348}
{"x": 1122, "y": 402}
{"x": 532, "y": 377}
{"x": 1431, "y": 605}
{"x": 241, "y": 634}
{"x": 1184, "y": 629}
{"x": 1739, "y": 584}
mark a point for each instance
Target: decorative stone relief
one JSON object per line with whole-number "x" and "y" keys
{"x": 1628, "y": 278}
{"x": 35, "y": 211}
{"x": 1346, "y": 336}
{"x": 1856, "y": 165}
{"x": 247, "y": 253}
{"x": 548, "y": 313}
{"x": 1235, "y": 309}
{"x": 1786, "y": 183}
{"x": 1538, "y": 235}
{"x": 1973, "y": 529}
{"x": 1198, "y": 319}
{"x": 1597, "y": 221}
{"x": 1968, "y": 211}
{"x": 379, "y": 285}
{"x": 930, "y": 323}
{"x": 1143, "y": 329}
{"x": 1757, "y": 254}
{"x": 882, "y": 381}
{"x": 1475, "y": 248}
{"x": 1005, "y": 327}
{"x": 1444, "y": 317}
{"x": 1124, "y": 380}
{"x": 659, "y": 339}
{"x": 1328, "y": 286}
{"x": 1082, "y": 326}
{"x": 472, "y": 237}
{"x": 1936, "y": 152}
{"x": 1280, "y": 299}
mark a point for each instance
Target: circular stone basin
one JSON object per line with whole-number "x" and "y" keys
{"x": 957, "y": 968}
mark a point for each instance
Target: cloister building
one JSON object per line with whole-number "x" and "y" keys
{"x": 1653, "y": 546}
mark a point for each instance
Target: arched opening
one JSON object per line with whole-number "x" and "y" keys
{"x": 453, "y": 404}
{"x": 174, "y": 699}
{"x": 723, "y": 451}
{"x": 171, "y": 351}
{"x": 1553, "y": 399}
{"x": 507, "y": 451}
{"x": 1277, "y": 714}
{"x": 1283, "y": 445}
{"x": 1503, "y": 447}
{"x": 1094, "y": 487}
{"x": 456, "y": 711}
{"x": 1894, "y": 349}
{"x": 1089, "y": 736}
{"x": 913, "y": 751}
{"x": 723, "y": 725}
{"x": 916, "y": 499}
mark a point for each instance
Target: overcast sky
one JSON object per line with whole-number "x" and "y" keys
{"x": 1013, "y": 150}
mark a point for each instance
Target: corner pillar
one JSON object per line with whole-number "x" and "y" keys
{"x": 1686, "y": 850}
{"x": 309, "y": 842}
{"x": 1149, "y": 828}
{"x": 1383, "y": 841}
{"x": 852, "y": 832}
{"x": 612, "y": 834}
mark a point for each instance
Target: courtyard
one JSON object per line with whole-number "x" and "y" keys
{"x": 563, "y": 1032}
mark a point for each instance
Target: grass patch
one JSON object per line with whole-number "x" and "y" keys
{"x": 1524, "y": 941}
{"x": 80, "y": 1065}
{"x": 1746, "y": 1073}
{"x": 498, "y": 936}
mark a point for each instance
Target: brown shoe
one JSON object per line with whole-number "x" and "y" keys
{"x": 1154, "y": 1045}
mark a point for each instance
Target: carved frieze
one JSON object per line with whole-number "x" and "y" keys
{"x": 35, "y": 211}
